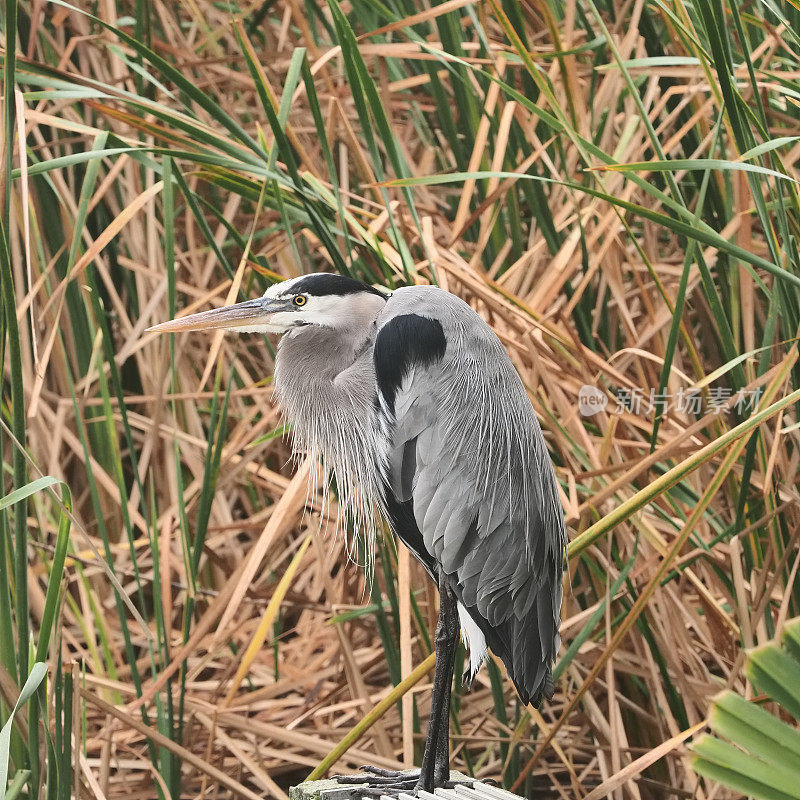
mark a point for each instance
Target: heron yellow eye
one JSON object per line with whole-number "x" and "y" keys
{"x": 300, "y": 300}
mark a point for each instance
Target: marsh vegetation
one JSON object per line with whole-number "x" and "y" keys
{"x": 611, "y": 183}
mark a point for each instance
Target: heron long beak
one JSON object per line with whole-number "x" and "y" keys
{"x": 240, "y": 315}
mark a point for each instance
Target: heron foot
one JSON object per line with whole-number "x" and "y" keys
{"x": 378, "y": 782}
{"x": 402, "y": 781}
{"x": 396, "y": 791}
{"x": 381, "y": 778}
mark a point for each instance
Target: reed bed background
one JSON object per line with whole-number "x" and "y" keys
{"x": 611, "y": 183}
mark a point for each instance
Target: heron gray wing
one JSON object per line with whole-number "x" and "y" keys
{"x": 466, "y": 453}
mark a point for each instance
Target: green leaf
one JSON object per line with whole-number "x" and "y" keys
{"x": 791, "y": 638}
{"x": 755, "y": 729}
{"x": 679, "y": 164}
{"x": 768, "y": 147}
{"x": 38, "y": 671}
{"x": 54, "y": 579}
{"x": 654, "y": 61}
{"x": 15, "y": 787}
{"x": 745, "y": 772}
{"x": 276, "y": 433}
{"x": 736, "y": 780}
{"x": 75, "y": 158}
{"x": 27, "y": 490}
{"x": 775, "y": 672}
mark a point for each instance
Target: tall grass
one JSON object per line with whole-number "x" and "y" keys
{"x": 613, "y": 185}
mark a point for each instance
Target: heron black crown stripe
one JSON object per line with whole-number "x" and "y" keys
{"x": 325, "y": 283}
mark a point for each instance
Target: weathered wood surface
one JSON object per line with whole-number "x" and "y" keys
{"x": 465, "y": 789}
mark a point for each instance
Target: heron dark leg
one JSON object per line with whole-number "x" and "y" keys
{"x": 435, "y": 770}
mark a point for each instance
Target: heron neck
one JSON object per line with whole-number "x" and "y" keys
{"x": 325, "y": 384}
{"x": 317, "y": 354}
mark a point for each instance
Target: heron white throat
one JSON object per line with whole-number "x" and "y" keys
{"x": 412, "y": 401}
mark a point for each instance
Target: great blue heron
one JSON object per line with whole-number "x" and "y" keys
{"x": 413, "y": 403}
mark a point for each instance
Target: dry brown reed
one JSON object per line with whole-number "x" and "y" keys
{"x": 584, "y": 267}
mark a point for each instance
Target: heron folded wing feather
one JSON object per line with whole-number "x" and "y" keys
{"x": 408, "y": 470}
{"x": 430, "y": 511}
{"x": 484, "y": 501}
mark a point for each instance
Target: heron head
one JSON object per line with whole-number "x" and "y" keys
{"x": 322, "y": 299}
